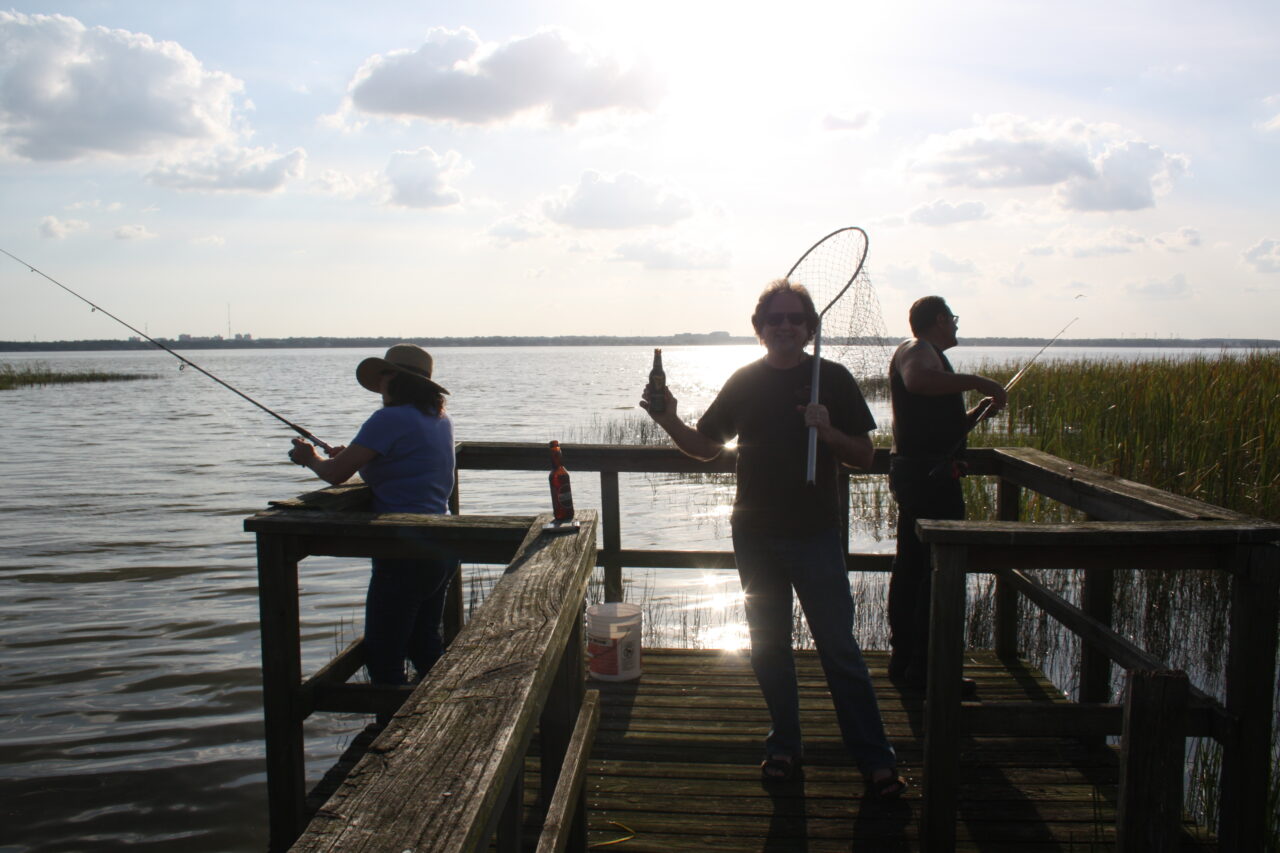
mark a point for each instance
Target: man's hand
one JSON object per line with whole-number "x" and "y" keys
{"x": 668, "y": 415}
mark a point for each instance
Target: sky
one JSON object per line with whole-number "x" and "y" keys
{"x": 582, "y": 167}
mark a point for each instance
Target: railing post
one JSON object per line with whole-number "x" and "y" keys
{"x": 559, "y": 713}
{"x": 1008, "y": 508}
{"x": 942, "y": 698}
{"x": 611, "y": 533}
{"x": 454, "y": 606}
{"x": 1097, "y": 597}
{"x": 557, "y": 722}
{"x": 1152, "y": 761}
{"x": 281, "y": 680}
{"x": 1251, "y": 676}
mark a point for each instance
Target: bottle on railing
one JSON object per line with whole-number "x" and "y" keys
{"x": 657, "y": 385}
{"x": 561, "y": 494}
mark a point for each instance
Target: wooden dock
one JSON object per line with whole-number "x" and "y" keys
{"x": 676, "y": 754}
{"x": 670, "y": 761}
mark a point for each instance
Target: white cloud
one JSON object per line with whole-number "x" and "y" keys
{"x": 1093, "y": 167}
{"x": 1128, "y": 176}
{"x": 1183, "y": 238}
{"x": 515, "y": 229}
{"x": 454, "y": 77}
{"x": 68, "y": 91}
{"x": 658, "y": 254}
{"x": 939, "y": 262}
{"x": 939, "y": 213}
{"x": 1017, "y": 278}
{"x": 338, "y": 183}
{"x": 1264, "y": 256}
{"x": 1116, "y": 241}
{"x": 1161, "y": 289}
{"x": 624, "y": 201}
{"x": 232, "y": 169}
{"x": 217, "y": 241}
{"x": 861, "y": 122}
{"x": 133, "y": 232}
{"x": 53, "y": 228}
{"x": 1273, "y": 103}
{"x": 422, "y": 178}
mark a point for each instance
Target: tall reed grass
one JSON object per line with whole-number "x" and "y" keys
{"x": 41, "y": 374}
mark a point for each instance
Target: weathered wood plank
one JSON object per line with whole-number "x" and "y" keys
{"x": 1161, "y": 536}
{"x": 1098, "y": 493}
{"x": 566, "y": 815}
{"x": 1152, "y": 761}
{"x": 434, "y": 778}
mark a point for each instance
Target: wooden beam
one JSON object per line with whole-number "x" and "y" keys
{"x": 1102, "y": 495}
{"x": 441, "y": 774}
{"x": 565, "y": 824}
{"x": 281, "y": 675}
{"x": 942, "y": 704}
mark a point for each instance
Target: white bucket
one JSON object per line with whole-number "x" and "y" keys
{"x": 613, "y": 641}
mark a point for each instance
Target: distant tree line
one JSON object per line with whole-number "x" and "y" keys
{"x": 684, "y": 339}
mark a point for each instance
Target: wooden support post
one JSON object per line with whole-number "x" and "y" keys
{"x": 1008, "y": 508}
{"x": 559, "y": 714}
{"x": 566, "y": 825}
{"x": 1152, "y": 761}
{"x": 942, "y": 705}
{"x": 1097, "y": 598}
{"x": 281, "y": 683}
{"x": 1251, "y": 675}
{"x": 454, "y": 607}
{"x": 611, "y": 534}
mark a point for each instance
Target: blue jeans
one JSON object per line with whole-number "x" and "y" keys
{"x": 769, "y": 567}
{"x": 402, "y": 615}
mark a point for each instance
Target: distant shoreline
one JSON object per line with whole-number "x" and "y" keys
{"x": 687, "y": 339}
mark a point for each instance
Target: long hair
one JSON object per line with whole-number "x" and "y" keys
{"x": 404, "y": 390}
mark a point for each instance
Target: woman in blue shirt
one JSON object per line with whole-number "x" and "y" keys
{"x": 404, "y": 451}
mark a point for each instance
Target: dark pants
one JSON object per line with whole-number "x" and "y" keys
{"x": 918, "y": 496}
{"x": 402, "y": 616}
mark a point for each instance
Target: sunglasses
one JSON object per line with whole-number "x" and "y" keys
{"x": 795, "y": 318}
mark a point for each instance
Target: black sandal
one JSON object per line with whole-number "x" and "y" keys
{"x": 779, "y": 768}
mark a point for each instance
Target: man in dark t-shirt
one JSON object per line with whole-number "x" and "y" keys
{"x": 929, "y": 428}
{"x": 786, "y": 533}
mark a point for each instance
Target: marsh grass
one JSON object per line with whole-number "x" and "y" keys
{"x": 41, "y": 374}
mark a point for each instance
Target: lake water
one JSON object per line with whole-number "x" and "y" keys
{"x": 130, "y": 709}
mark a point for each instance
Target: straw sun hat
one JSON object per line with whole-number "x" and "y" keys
{"x": 409, "y": 359}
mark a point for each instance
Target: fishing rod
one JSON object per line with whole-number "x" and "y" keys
{"x": 185, "y": 361}
{"x": 949, "y": 463}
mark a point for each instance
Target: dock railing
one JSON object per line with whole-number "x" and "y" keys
{"x": 447, "y": 772}
{"x": 1132, "y": 526}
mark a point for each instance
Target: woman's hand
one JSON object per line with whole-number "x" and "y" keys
{"x": 302, "y": 453}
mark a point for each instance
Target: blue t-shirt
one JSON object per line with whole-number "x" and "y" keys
{"x": 413, "y": 471}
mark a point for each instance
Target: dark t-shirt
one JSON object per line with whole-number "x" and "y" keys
{"x": 758, "y": 405}
{"x": 926, "y": 426}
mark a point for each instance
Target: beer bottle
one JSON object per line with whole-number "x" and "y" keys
{"x": 657, "y": 385}
{"x": 561, "y": 495}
